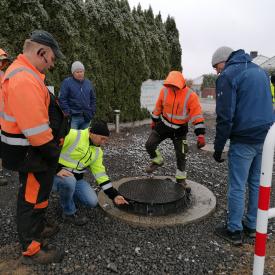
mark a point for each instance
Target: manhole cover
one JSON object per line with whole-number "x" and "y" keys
{"x": 154, "y": 197}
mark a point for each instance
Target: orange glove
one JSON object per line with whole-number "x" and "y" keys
{"x": 153, "y": 125}
{"x": 200, "y": 141}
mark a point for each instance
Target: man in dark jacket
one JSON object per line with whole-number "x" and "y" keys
{"x": 77, "y": 97}
{"x": 244, "y": 115}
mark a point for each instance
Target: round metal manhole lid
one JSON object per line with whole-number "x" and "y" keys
{"x": 153, "y": 197}
{"x": 152, "y": 191}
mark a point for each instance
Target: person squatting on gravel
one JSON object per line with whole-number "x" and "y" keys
{"x": 177, "y": 104}
{"x": 28, "y": 144}
{"x": 81, "y": 150}
{"x": 4, "y": 61}
{"x": 244, "y": 115}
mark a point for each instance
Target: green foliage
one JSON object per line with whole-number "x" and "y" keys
{"x": 209, "y": 81}
{"x": 172, "y": 35}
{"x": 120, "y": 48}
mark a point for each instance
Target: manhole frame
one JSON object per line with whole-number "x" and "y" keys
{"x": 177, "y": 200}
{"x": 204, "y": 203}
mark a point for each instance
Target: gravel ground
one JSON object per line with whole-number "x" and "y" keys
{"x": 108, "y": 246}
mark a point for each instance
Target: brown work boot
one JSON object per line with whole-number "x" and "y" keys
{"x": 49, "y": 230}
{"x": 184, "y": 184}
{"x": 46, "y": 255}
{"x": 152, "y": 167}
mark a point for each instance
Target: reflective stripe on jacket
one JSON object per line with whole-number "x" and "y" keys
{"x": 24, "y": 118}
{"x": 78, "y": 153}
{"x": 177, "y": 106}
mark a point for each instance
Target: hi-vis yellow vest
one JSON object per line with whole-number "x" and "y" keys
{"x": 77, "y": 154}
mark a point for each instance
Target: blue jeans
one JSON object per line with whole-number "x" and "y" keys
{"x": 71, "y": 191}
{"x": 244, "y": 163}
{"x": 78, "y": 122}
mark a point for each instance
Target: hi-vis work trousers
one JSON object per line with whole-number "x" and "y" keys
{"x": 179, "y": 142}
{"x": 33, "y": 195}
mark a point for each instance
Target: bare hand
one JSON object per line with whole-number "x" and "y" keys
{"x": 64, "y": 173}
{"x": 120, "y": 200}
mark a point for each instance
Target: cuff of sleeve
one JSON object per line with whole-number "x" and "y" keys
{"x": 111, "y": 192}
{"x": 199, "y": 131}
{"x": 155, "y": 119}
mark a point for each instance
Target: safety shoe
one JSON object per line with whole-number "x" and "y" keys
{"x": 49, "y": 230}
{"x": 75, "y": 219}
{"x": 234, "y": 238}
{"x": 183, "y": 183}
{"x": 249, "y": 232}
{"x": 46, "y": 255}
{"x": 152, "y": 167}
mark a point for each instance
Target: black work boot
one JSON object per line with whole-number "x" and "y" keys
{"x": 152, "y": 167}
{"x": 75, "y": 219}
{"x": 184, "y": 184}
{"x": 249, "y": 232}
{"x": 46, "y": 255}
{"x": 235, "y": 237}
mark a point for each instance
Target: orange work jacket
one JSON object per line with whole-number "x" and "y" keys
{"x": 177, "y": 104}
{"x": 24, "y": 119}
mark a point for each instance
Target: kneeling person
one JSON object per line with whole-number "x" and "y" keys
{"x": 81, "y": 150}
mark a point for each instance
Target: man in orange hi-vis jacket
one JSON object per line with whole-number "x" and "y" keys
{"x": 4, "y": 61}
{"x": 177, "y": 104}
{"x": 25, "y": 130}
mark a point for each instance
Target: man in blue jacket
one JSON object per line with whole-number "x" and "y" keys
{"x": 244, "y": 115}
{"x": 77, "y": 97}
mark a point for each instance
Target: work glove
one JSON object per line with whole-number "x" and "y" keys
{"x": 200, "y": 141}
{"x": 153, "y": 125}
{"x": 218, "y": 156}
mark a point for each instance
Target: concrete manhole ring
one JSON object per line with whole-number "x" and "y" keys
{"x": 204, "y": 203}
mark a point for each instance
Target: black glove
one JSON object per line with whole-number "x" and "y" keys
{"x": 218, "y": 156}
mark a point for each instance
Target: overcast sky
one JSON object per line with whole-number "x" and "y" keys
{"x": 205, "y": 25}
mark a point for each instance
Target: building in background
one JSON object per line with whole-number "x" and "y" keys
{"x": 196, "y": 85}
{"x": 263, "y": 61}
{"x": 149, "y": 93}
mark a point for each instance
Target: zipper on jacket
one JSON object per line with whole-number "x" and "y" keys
{"x": 173, "y": 105}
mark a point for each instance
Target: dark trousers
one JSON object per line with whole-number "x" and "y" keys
{"x": 33, "y": 195}
{"x": 178, "y": 138}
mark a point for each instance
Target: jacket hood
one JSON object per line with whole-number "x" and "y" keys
{"x": 175, "y": 78}
{"x": 238, "y": 56}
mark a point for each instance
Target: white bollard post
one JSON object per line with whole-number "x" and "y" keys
{"x": 117, "y": 113}
{"x": 264, "y": 213}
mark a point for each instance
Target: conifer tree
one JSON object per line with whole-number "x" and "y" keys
{"x": 172, "y": 35}
{"x": 120, "y": 48}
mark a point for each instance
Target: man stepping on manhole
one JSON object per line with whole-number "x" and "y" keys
{"x": 176, "y": 105}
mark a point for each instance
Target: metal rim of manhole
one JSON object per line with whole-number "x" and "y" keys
{"x": 203, "y": 204}
{"x": 154, "y": 197}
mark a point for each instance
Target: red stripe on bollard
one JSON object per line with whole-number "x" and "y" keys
{"x": 260, "y": 244}
{"x": 264, "y": 198}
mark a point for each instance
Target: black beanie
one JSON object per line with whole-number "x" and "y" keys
{"x": 100, "y": 128}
